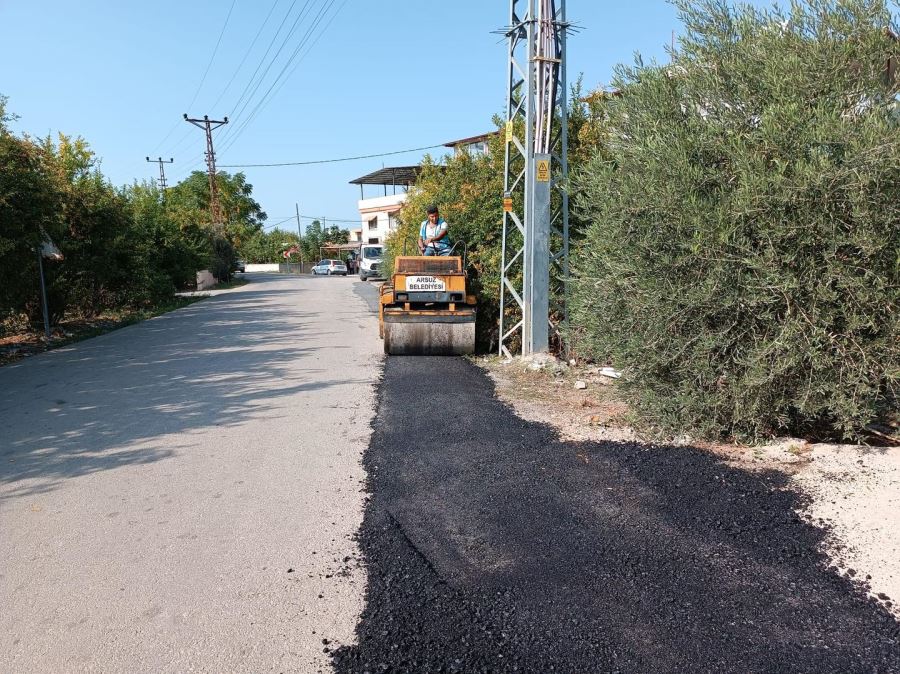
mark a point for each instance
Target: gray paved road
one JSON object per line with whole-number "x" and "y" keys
{"x": 157, "y": 484}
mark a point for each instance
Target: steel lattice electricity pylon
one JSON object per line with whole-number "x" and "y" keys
{"x": 535, "y": 205}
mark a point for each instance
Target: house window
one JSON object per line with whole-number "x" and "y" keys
{"x": 373, "y": 224}
{"x": 475, "y": 149}
{"x": 373, "y": 239}
{"x": 478, "y": 149}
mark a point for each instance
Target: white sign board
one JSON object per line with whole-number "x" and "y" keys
{"x": 429, "y": 283}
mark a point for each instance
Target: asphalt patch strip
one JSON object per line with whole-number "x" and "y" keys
{"x": 492, "y": 545}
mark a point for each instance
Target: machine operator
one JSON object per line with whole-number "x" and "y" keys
{"x": 433, "y": 234}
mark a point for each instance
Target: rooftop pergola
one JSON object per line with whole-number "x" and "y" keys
{"x": 471, "y": 139}
{"x": 404, "y": 176}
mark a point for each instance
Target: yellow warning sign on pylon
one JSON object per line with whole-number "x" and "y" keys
{"x": 509, "y": 131}
{"x": 543, "y": 170}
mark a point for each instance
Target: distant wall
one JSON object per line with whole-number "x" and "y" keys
{"x": 296, "y": 268}
{"x": 205, "y": 280}
{"x": 293, "y": 268}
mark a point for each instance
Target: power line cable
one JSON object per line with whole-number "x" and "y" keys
{"x": 166, "y": 137}
{"x": 187, "y": 133}
{"x": 245, "y": 97}
{"x": 183, "y": 147}
{"x": 326, "y": 219}
{"x": 213, "y": 57}
{"x": 188, "y": 167}
{"x": 309, "y": 49}
{"x": 322, "y": 13}
{"x": 331, "y": 161}
{"x": 247, "y": 53}
{"x": 320, "y": 218}
{"x": 197, "y": 158}
{"x": 202, "y": 80}
{"x": 280, "y": 222}
{"x": 243, "y": 122}
{"x": 263, "y": 59}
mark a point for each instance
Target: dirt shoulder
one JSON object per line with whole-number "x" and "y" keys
{"x": 853, "y": 491}
{"x": 28, "y": 342}
{"x": 22, "y": 340}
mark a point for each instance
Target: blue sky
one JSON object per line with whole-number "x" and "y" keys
{"x": 374, "y": 76}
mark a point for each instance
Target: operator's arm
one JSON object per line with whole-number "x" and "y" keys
{"x": 442, "y": 233}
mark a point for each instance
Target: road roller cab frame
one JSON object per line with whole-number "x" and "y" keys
{"x": 425, "y": 309}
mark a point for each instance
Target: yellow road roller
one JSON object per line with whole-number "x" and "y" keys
{"x": 425, "y": 309}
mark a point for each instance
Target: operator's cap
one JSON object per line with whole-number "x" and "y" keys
{"x": 431, "y": 210}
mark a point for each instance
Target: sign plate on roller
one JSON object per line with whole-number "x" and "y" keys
{"x": 429, "y": 283}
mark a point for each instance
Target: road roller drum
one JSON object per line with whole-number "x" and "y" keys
{"x": 425, "y": 309}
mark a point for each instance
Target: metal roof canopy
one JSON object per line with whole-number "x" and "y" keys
{"x": 405, "y": 176}
{"x": 391, "y": 175}
{"x": 471, "y": 139}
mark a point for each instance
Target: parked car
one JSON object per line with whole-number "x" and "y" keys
{"x": 370, "y": 260}
{"x": 330, "y": 268}
{"x": 240, "y": 266}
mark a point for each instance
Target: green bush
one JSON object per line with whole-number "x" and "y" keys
{"x": 29, "y": 210}
{"x": 124, "y": 248}
{"x": 741, "y": 261}
{"x": 223, "y": 258}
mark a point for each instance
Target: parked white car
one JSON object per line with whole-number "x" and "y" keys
{"x": 330, "y": 268}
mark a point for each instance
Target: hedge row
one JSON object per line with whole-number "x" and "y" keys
{"x": 741, "y": 261}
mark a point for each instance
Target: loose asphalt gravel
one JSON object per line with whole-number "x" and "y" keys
{"x": 492, "y": 545}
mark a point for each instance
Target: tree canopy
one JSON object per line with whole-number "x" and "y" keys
{"x": 128, "y": 246}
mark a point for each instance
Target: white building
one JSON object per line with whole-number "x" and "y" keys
{"x": 378, "y": 214}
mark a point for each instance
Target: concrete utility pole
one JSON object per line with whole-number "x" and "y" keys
{"x": 208, "y": 125}
{"x": 299, "y": 233}
{"x": 162, "y": 171}
{"x": 536, "y": 169}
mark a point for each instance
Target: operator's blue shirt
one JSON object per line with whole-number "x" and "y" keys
{"x": 427, "y": 230}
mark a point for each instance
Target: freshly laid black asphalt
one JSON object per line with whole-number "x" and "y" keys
{"x": 493, "y": 546}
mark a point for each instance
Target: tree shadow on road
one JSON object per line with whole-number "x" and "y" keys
{"x": 492, "y": 545}
{"x": 106, "y": 402}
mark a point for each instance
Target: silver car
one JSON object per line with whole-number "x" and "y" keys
{"x": 330, "y": 268}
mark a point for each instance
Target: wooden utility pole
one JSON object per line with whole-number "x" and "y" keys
{"x": 208, "y": 125}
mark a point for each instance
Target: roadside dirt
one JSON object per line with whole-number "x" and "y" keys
{"x": 25, "y": 343}
{"x": 22, "y": 340}
{"x": 853, "y": 491}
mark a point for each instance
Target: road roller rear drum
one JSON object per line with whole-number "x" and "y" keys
{"x": 425, "y": 309}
